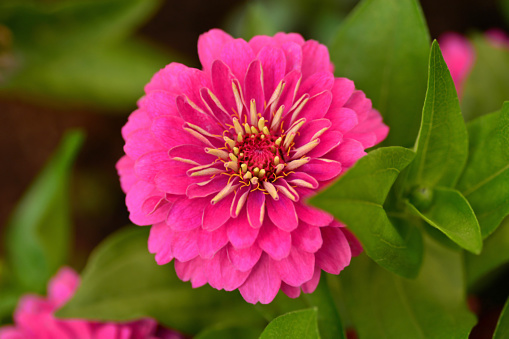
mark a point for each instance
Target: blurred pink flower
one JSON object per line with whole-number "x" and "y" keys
{"x": 34, "y": 318}
{"x": 220, "y": 160}
{"x": 459, "y": 55}
{"x": 498, "y": 37}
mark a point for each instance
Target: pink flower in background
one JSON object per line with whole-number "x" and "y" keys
{"x": 459, "y": 55}
{"x": 34, "y": 318}
{"x": 498, "y": 37}
{"x": 220, "y": 161}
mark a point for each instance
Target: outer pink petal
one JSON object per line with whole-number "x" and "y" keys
{"x": 159, "y": 103}
{"x": 139, "y": 119}
{"x": 63, "y": 285}
{"x": 222, "y": 78}
{"x": 335, "y": 253}
{"x": 322, "y": 169}
{"x": 274, "y": 241}
{"x": 290, "y": 291}
{"x": 125, "y": 169}
{"x": 354, "y": 243}
{"x": 140, "y": 142}
{"x": 194, "y": 153}
{"x": 206, "y": 188}
{"x": 173, "y": 179}
{"x": 274, "y": 65}
{"x": 282, "y": 213}
{"x": 348, "y": 153}
{"x": 342, "y": 119}
{"x": 316, "y": 84}
{"x": 262, "y": 284}
{"x": 310, "y": 286}
{"x": 217, "y": 215}
{"x": 342, "y": 90}
{"x": 168, "y": 131}
{"x": 253, "y": 86}
{"x": 237, "y": 54}
{"x": 194, "y": 270}
{"x": 149, "y": 164}
{"x": 313, "y": 216}
{"x": 209, "y": 242}
{"x": 297, "y": 268}
{"x": 135, "y": 199}
{"x": 310, "y": 130}
{"x": 282, "y": 38}
{"x": 210, "y": 45}
{"x": 308, "y": 238}
{"x": 185, "y": 245}
{"x": 293, "y": 53}
{"x": 192, "y": 116}
{"x": 360, "y": 104}
{"x": 256, "y": 208}
{"x": 240, "y": 233}
{"x": 315, "y": 58}
{"x": 222, "y": 274}
{"x": 159, "y": 242}
{"x": 259, "y": 41}
{"x": 316, "y": 107}
{"x": 328, "y": 141}
{"x": 244, "y": 258}
{"x": 186, "y": 214}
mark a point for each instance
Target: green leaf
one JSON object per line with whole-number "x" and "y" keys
{"x": 294, "y": 325}
{"x": 493, "y": 256}
{"x": 357, "y": 199}
{"x": 383, "y": 305}
{"x": 487, "y": 85}
{"x": 451, "y": 213}
{"x": 222, "y": 332}
{"x": 121, "y": 281}
{"x": 329, "y": 322}
{"x": 442, "y": 144}
{"x": 502, "y": 330}
{"x": 485, "y": 181}
{"x": 383, "y": 46}
{"x": 38, "y": 233}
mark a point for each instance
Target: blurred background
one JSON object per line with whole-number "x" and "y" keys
{"x": 83, "y": 64}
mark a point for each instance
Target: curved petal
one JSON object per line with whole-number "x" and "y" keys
{"x": 210, "y": 45}
{"x": 237, "y": 54}
{"x": 274, "y": 241}
{"x": 256, "y": 208}
{"x": 209, "y": 242}
{"x": 217, "y": 215}
{"x": 313, "y": 216}
{"x": 159, "y": 242}
{"x": 244, "y": 258}
{"x": 186, "y": 214}
{"x": 240, "y": 233}
{"x": 274, "y": 65}
{"x": 297, "y": 268}
{"x": 262, "y": 284}
{"x": 315, "y": 58}
{"x": 282, "y": 213}
{"x": 253, "y": 86}
{"x": 194, "y": 270}
{"x": 335, "y": 253}
{"x": 222, "y": 274}
{"x": 308, "y": 238}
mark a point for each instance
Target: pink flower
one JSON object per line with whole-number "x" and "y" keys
{"x": 459, "y": 55}
{"x": 498, "y": 37}
{"x": 34, "y": 318}
{"x": 220, "y": 161}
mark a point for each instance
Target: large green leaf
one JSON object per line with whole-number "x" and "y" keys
{"x": 383, "y": 305}
{"x": 357, "y": 199}
{"x": 383, "y": 46}
{"x": 502, "y": 330}
{"x": 485, "y": 181}
{"x": 487, "y": 85}
{"x": 38, "y": 233}
{"x": 451, "y": 213}
{"x": 293, "y": 325}
{"x": 442, "y": 144}
{"x": 122, "y": 282}
{"x": 494, "y": 255}
{"x": 235, "y": 332}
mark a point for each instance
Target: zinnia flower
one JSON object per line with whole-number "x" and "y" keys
{"x": 220, "y": 160}
{"x": 34, "y": 318}
{"x": 459, "y": 55}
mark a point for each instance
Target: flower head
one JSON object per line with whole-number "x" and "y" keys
{"x": 34, "y": 318}
{"x": 220, "y": 160}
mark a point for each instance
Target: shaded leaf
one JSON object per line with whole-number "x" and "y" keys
{"x": 502, "y": 330}
{"x": 122, "y": 282}
{"x": 222, "y": 332}
{"x": 487, "y": 85}
{"x": 383, "y": 46}
{"x": 485, "y": 181}
{"x": 38, "y": 233}
{"x": 357, "y": 199}
{"x": 442, "y": 144}
{"x": 383, "y": 305}
{"x": 293, "y": 325}
{"x": 451, "y": 213}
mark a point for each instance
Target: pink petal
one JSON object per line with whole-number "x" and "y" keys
{"x": 125, "y": 169}
{"x": 360, "y": 104}
{"x": 322, "y": 169}
{"x": 313, "y": 216}
{"x": 256, "y": 208}
{"x": 193, "y": 153}
{"x": 347, "y": 153}
{"x": 194, "y": 270}
{"x": 185, "y": 245}
{"x": 253, "y": 86}
{"x": 315, "y": 58}
{"x": 222, "y": 79}
{"x": 209, "y": 242}
{"x": 311, "y": 130}
{"x": 222, "y": 274}
{"x": 372, "y": 126}
{"x": 308, "y": 238}
{"x": 328, "y": 141}
{"x": 135, "y": 198}
{"x": 159, "y": 103}
{"x": 274, "y": 241}
{"x": 282, "y": 37}
{"x": 237, "y": 55}
{"x": 310, "y": 286}
{"x": 297, "y": 268}
{"x": 217, "y": 215}
{"x": 244, "y": 258}
{"x": 316, "y": 107}
{"x": 342, "y": 119}
{"x": 149, "y": 164}
{"x": 240, "y": 233}
{"x": 342, "y": 90}
{"x": 354, "y": 243}
{"x": 191, "y": 80}
{"x": 215, "y": 107}
{"x": 241, "y": 196}
{"x": 259, "y": 41}
{"x": 186, "y": 214}
{"x": 282, "y": 213}
{"x": 335, "y": 253}
{"x": 210, "y": 45}
{"x": 274, "y": 64}
{"x": 293, "y": 53}
{"x": 300, "y": 179}
{"x": 159, "y": 242}
{"x": 262, "y": 284}
{"x": 291, "y": 81}
{"x": 290, "y": 291}
{"x": 174, "y": 179}
{"x": 166, "y": 79}
{"x": 138, "y": 119}
{"x": 316, "y": 83}
{"x": 63, "y": 285}
{"x": 169, "y": 132}
{"x": 204, "y": 189}
{"x": 140, "y": 142}
{"x": 192, "y": 116}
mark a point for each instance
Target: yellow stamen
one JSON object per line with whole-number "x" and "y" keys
{"x": 277, "y": 118}
{"x": 234, "y": 166}
{"x": 217, "y": 152}
{"x": 261, "y": 124}
{"x": 240, "y": 138}
{"x": 233, "y": 157}
{"x": 297, "y": 163}
{"x": 262, "y": 136}
{"x": 254, "y": 130}
{"x": 252, "y": 112}
{"x": 256, "y": 171}
{"x": 236, "y": 150}
{"x": 254, "y": 181}
{"x": 243, "y": 167}
{"x": 261, "y": 174}
{"x": 271, "y": 189}
{"x": 230, "y": 142}
{"x": 278, "y": 141}
{"x": 236, "y": 125}
{"x": 248, "y": 175}
{"x": 265, "y": 130}
{"x": 247, "y": 128}
{"x": 304, "y": 149}
{"x": 276, "y": 160}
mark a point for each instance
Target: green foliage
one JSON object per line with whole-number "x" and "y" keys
{"x": 487, "y": 85}
{"x": 76, "y": 52}
{"x": 357, "y": 199}
{"x": 383, "y": 47}
{"x": 122, "y": 282}
{"x": 383, "y": 305}
{"x": 502, "y": 330}
{"x": 229, "y": 333}
{"x": 38, "y": 233}
{"x": 485, "y": 181}
{"x": 293, "y": 325}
